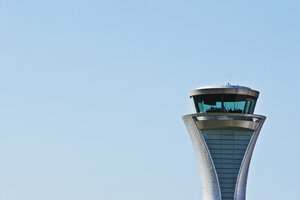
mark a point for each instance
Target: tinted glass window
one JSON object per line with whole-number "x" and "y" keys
{"x": 225, "y": 103}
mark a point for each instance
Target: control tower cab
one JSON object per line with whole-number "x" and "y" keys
{"x": 224, "y": 99}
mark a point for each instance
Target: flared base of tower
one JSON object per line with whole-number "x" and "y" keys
{"x": 224, "y": 144}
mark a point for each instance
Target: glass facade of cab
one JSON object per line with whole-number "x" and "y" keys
{"x": 224, "y": 103}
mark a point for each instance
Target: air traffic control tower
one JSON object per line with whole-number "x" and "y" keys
{"x": 224, "y": 131}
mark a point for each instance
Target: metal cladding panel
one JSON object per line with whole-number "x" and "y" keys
{"x": 240, "y": 190}
{"x": 210, "y": 185}
{"x": 224, "y": 154}
{"x": 227, "y": 148}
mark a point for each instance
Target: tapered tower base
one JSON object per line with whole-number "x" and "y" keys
{"x": 224, "y": 145}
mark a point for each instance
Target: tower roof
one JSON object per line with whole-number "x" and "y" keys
{"x": 224, "y": 86}
{"x": 224, "y": 89}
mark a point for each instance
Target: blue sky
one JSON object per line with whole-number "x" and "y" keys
{"x": 92, "y": 94}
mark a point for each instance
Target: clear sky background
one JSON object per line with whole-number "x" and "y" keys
{"x": 92, "y": 94}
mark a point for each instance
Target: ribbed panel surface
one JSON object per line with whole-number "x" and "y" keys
{"x": 227, "y": 149}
